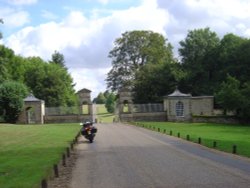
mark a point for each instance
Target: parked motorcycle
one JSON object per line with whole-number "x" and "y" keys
{"x": 88, "y": 131}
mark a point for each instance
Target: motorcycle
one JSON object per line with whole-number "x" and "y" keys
{"x": 88, "y": 131}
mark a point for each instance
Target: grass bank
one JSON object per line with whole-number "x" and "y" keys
{"x": 220, "y": 136}
{"x": 103, "y": 116}
{"x": 28, "y": 152}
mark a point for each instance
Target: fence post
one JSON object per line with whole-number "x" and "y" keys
{"x": 234, "y": 149}
{"x": 171, "y": 133}
{"x": 44, "y": 183}
{"x": 178, "y": 135}
{"x": 63, "y": 160}
{"x": 68, "y": 152}
{"x": 188, "y": 137}
{"x": 199, "y": 140}
{"x": 214, "y": 144}
{"x": 55, "y": 167}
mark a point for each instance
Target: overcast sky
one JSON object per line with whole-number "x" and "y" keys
{"x": 84, "y": 30}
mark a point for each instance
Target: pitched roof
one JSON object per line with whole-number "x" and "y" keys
{"x": 31, "y": 98}
{"x": 84, "y": 90}
{"x": 177, "y": 93}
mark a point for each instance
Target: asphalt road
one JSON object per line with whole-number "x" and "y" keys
{"x": 124, "y": 156}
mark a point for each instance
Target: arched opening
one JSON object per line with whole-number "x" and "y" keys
{"x": 179, "y": 107}
{"x": 85, "y": 108}
{"x": 30, "y": 115}
{"x": 125, "y": 108}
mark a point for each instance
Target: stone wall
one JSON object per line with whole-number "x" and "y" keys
{"x": 202, "y": 105}
{"x": 215, "y": 119}
{"x": 67, "y": 118}
{"x": 153, "y": 116}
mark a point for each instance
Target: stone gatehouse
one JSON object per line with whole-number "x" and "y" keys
{"x": 177, "y": 106}
{"x": 180, "y": 106}
{"x": 35, "y": 112}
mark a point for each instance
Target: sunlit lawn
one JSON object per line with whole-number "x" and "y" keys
{"x": 102, "y": 115}
{"x": 28, "y": 152}
{"x": 224, "y": 135}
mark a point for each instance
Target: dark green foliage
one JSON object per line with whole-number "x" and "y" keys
{"x": 194, "y": 50}
{"x": 229, "y": 95}
{"x": 50, "y": 82}
{"x": 110, "y": 102}
{"x": 58, "y": 58}
{"x": 132, "y": 51}
{"x": 1, "y": 21}
{"x": 153, "y": 82}
{"x": 6, "y": 56}
{"x": 100, "y": 99}
{"x": 11, "y": 100}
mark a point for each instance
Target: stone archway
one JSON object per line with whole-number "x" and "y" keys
{"x": 85, "y": 103}
{"x": 125, "y": 105}
{"x": 33, "y": 111}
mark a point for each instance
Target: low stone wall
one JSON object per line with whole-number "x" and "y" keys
{"x": 155, "y": 116}
{"x": 215, "y": 119}
{"x": 67, "y": 118}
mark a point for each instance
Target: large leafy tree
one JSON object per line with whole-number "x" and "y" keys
{"x": 110, "y": 102}
{"x": 230, "y": 56}
{"x": 229, "y": 96}
{"x": 6, "y": 56}
{"x": 133, "y": 50}
{"x": 154, "y": 81}
{"x": 11, "y": 100}
{"x": 50, "y": 82}
{"x": 193, "y": 50}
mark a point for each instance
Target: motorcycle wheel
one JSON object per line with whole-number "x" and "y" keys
{"x": 91, "y": 139}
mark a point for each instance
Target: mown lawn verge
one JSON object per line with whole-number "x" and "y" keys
{"x": 223, "y": 137}
{"x": 28, "y": 152}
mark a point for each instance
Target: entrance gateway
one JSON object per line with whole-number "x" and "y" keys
{"x": 177, "y": 106}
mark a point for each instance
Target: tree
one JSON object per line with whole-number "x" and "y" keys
{"x": 230, "y": 51}
{"x": 58, "y": 58}
{"x": 132, "y": 51}
{"x": 100, "y": 99}
{"x": 6, "y": 56}
{"x": 193, "y": 51}
{"x": 1, "y": 21}
{"x": 110, "y": 102}
{"x": 229, "y": 96}
{"x": 245, "y": 106}
{"x": 50, "y": 82}
{"x": 11, "y": 100}
{"x": 154, "y": 81}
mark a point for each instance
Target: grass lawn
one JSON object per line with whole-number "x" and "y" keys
{"x": 102, "y": 115}
{"x": 224, "y": 135}
{"x": 28, "y": 152}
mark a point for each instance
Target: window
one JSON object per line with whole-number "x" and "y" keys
{"x": 179, "y": 107}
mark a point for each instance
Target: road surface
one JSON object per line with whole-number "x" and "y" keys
{"x": 124, "y": 156}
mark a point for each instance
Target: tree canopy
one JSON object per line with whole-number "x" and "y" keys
{"x": 133, "y": 50}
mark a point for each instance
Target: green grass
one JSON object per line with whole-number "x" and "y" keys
{"x": 28, "y": 152}
{"x": 102, "y": 115}
{"x": 225, "y": 135}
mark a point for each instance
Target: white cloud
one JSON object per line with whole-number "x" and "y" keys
{"x": 86, "y": 41}
{"x": 92, "y": 79}
{"x": 49, "y": 15}
{"x": 22, "y": 2}
{"x": 13, "y": 17}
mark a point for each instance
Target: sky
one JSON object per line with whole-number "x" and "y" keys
{"x": 84, "y": 31}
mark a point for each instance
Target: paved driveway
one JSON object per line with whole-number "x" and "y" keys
{"x": 124, "y": 156}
